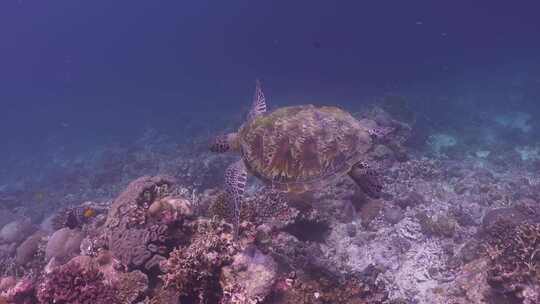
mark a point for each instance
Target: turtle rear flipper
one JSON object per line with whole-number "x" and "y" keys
{"x": 367, "y": 179}
{"x": 235, "y": 185}
{"x": 258, "y": 106}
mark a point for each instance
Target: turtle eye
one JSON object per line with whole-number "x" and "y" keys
{"x": 220, "y": 144}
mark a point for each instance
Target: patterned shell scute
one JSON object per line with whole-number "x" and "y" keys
{"x": 296, "y": 148}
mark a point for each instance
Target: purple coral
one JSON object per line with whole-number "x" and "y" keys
{"x": 21, "y": 293}
{"x": 132, "y": 235}
{"x": 193, "y": 271}
{"x": 74, "y": 284}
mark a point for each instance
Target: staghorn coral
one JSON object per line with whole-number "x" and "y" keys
{"x": 74, "y": 283}
{"x": 514, "y": 267}
{"x": 193, "y": 270}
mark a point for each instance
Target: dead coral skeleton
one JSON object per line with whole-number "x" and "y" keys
{"x": 514, "y": 261}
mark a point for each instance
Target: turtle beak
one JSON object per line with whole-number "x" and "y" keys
{"x": 220, "y": 144}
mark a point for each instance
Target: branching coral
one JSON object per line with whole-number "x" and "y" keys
{"x": 194, "y": 270}
{"x": 515, "y": 261}
{"x": 265, "y": 207}
{"x": 74, "y": 284}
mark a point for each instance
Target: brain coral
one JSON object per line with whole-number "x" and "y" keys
{"x": 132, "y": 236}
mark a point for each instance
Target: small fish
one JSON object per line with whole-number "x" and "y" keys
{"x": 89, "y": 212}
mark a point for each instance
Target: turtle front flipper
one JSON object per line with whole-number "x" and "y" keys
{"x": 258, "y": 106}
{"x": 235, "y": 185}
{"x": 367, "y": 179}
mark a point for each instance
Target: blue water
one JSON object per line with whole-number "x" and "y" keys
{"x": 76, "y": 74}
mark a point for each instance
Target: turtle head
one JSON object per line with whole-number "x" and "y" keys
{"x": 224, "y": 143}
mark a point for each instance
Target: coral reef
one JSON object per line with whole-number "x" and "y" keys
{"x": 15, "y": 231}
{"x": 249, "y": 278}
{"x": 326, "y": 290}
{"x": 21, "y": 292}
{"x": 456, "y": 227}
{"x": 28, "y": 249}
{"x": 193, "y": 270}
{"x": 64, "y": 244}
{"x": 137, "y": 240}
{"x": 514, "y": 262}
{"x": 75, "y": 284}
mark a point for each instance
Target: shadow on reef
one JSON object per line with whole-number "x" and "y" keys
{"x": 306, "y": 230}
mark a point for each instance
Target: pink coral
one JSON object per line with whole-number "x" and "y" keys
{"x": 21, "y": 293}
{"x": 75, "y": 284}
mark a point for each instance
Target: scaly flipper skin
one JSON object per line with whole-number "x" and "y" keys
{"x": 220, "y": 144}
{"x": 367, "y": 179}
{"x": 258, "y": 107}
{"x": 235, "y": 185}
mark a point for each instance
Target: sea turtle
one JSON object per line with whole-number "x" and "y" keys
{"x": 297, "y": 149}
